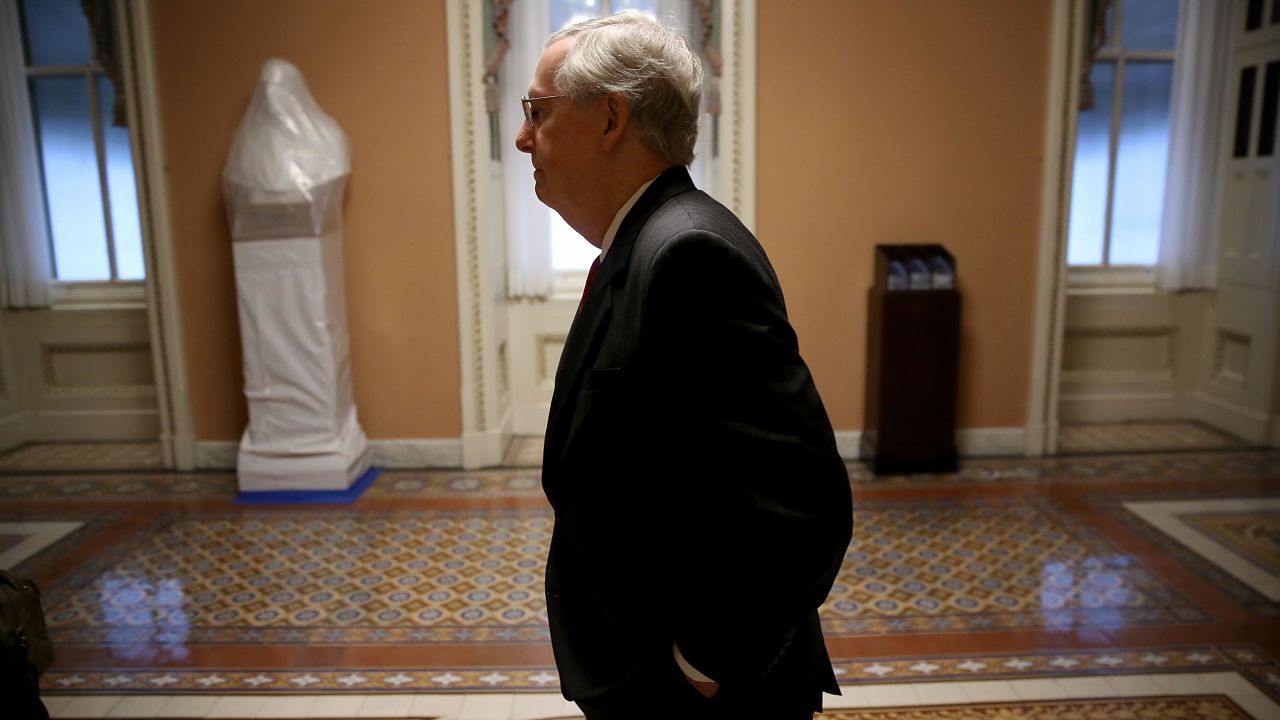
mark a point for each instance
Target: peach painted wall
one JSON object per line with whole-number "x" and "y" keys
{"x": 904, "y": 121}
{"x": 911, "y": 121}
{"x": 380, "y": 69}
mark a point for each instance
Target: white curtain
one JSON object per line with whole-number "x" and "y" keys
{"x": 529, "y": 273}
{"x": 1188, "y": 230}
{"x": 24, "y": 235}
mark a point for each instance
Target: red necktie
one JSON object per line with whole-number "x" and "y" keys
{"x": 591, "y": 276}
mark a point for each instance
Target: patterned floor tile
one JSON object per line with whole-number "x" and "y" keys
{"x": 21, "y": 540}
{"x": 46, "y": 535}
{"x": 324, "y": 576}
{"x": 928, "y": 567}
{"x": 1252, "y": 534}
{"x": 1209, "y": 707}
{"x": 1164, "y": 531}
{"x": 1010, "y": 570}
{"x": 476, "y": 577}
{"x": 1143, "y": 437}
{"x": 7, "y": 540}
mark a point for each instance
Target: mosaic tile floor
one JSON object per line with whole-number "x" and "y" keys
{"x": 1143, "y": 437}
{"x": 1003, "y": 590}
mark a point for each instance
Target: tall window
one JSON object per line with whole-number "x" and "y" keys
{"x": 87, "y": 163}
{"x": 1122, "y": 142}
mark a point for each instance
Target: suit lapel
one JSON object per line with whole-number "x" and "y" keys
{"x": 589, "y": 326}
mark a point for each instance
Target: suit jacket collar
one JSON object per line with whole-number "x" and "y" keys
{"x": 673, "y": 181}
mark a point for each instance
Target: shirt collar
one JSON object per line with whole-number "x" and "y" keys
{"x": 622, "y": 213}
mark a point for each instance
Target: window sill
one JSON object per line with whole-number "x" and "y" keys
{"x": 123, "y": 295}
{"x": 1116, "y": 280}
{"x": 569, "y": 284}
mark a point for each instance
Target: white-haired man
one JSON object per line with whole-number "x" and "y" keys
{"x": 702, "y": 510}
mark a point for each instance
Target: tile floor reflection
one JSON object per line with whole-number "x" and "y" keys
{"x": 1010, "y": 581}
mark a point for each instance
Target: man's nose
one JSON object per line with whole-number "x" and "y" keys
{"x": 524, "y": 138}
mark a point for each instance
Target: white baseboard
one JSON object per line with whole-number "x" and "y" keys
{"x": 1241, "y": 422}
{"x": 970, "y": 442}
{"x": 487, "y": 448}
{"x": 425, "y": 453}
{"x": 1118, "y": 407}
{"x": 216, "y": 454}
{"x": 531, "y": 417}
{"x": 94, "y": 425}
{"x": 991, "y": 442}
{"x": 847, "y": 442}
{"x": 179, "y": 451}
{"x": 13, "y": 431}
{"x": 390, "y": 454}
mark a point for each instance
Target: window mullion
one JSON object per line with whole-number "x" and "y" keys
{"x": 99, "y": 146}
{"x": 1113, "y": 149}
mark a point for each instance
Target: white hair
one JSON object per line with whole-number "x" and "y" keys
{"x": 650, "y": 65}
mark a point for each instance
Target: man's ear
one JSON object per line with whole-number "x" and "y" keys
{"x": 618, "y": 115}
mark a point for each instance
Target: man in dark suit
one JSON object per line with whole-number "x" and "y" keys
{"x": 702, "y": 510}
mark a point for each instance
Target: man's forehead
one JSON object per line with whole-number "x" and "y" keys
{"x": 543, "y": 82}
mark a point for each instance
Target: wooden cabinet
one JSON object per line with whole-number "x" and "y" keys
{"x": 913, "y": 343}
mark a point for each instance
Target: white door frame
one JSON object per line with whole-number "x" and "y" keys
{"x": 487, "y": 413}
{"x": 177, "y": 437}
{"x": 1061, "y": 114}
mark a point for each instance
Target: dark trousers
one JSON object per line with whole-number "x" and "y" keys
{"x": 660, "y": 692}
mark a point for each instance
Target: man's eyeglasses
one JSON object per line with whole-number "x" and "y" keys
{"x": 527, "y": 103}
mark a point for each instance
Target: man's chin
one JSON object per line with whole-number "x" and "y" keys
{"x": 541, "y": 193}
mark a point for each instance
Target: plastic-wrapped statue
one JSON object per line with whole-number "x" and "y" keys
{"x": 283, "y": 183}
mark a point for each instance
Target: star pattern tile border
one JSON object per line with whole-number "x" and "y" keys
{"x": 1242, "y": 593}
{"x": 1074, "y": 663}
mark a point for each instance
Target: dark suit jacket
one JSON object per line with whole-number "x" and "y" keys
{"x": 697, "y": 489}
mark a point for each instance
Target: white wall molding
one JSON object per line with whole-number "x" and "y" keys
{"x": 991, "y": 442}
{"x": 847, "y": 443}
{"x": 116, "y": 425}
{"x": 400, "y": 454}
{"x": 417, "y": 453}
{"x": 216, "y": 454}
{"x": 1101, "y": 407}
{"x": 1242, "y": 422}
{"x": 448, "y": 452}
{"x": 1040, "y": 434}
{"x": 971, "y": 442}
{"x": 484, "y": 404}
{"x": 737, "y": 153}
{"x": 177, "y": 434}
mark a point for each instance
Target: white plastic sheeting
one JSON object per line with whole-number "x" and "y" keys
{"x": 283, "y": 183}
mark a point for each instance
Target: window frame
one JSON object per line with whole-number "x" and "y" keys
{"x": 113, "y": 291}
{"x": 1105, "y": 276}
